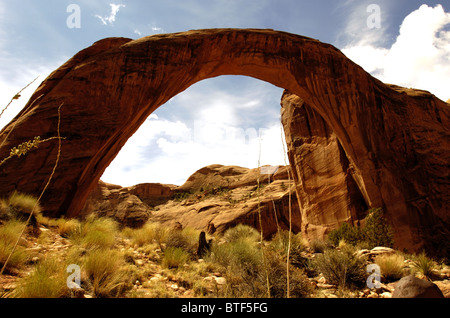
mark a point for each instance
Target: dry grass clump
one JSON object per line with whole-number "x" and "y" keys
{"x": 150, "y": 233}
{"x": 19, "y": 206}
{"x": 9, "y": 233}
{"x": 423, "y": 265}
{"x": 48, "y": 280}
{"x": 68, "y": 228}
{"x": 95, "y": 233}
{"x": 105, "y": 272}
{"x": 241, "y": 231}
{"x": 175, "y": 257}
{"x": 391, "y": 266}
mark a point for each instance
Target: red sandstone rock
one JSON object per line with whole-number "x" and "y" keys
{"x": 327, "y": 193}
{"x": 397, "y": 140}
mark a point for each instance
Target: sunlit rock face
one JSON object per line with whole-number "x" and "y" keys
{"x": 396, "y": 140}
{"x": 327, "y": 192}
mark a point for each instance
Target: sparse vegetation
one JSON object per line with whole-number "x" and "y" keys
{"x": 376, "y": 232}
{"x": 423, "y": 265}
{"x": 48, "y": 280}
{"x": 175, "y": 257}
{"x": 105, "y": 272}
{"x": 9, "y": 233}
{"x": 341, "y": 267}
{"x": 157, "y": 261}
{"x": 391, "y": 266}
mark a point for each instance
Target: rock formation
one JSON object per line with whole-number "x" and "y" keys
{"x": 130, "y": 206}
{"x": 213, "y": 199}
{"x": 327, "y": 192}
{"x": 396, "y": 140}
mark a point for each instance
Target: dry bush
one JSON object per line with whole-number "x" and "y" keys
{"x": 48, "y": 280}
{"x": 391, "y": 266}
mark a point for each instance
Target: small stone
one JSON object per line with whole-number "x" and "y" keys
{"x": 220, "y": 280}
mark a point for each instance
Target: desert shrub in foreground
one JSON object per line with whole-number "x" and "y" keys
{"x": 342, "y": 268}
{"x": 377, "y": 231}
{"x": 255, "y": 271}
{"x": 299, "y": 285}
{"x": 18, "y": 206}
{"x": 391, "y": 266}
{"x": 241, "y": 231}
{"x": 280, "y": 245}
{"x": 186, "y": 239}
{"x": 67, "y": 228}
{"x": 96, "y": 233}
{"x": 48, "y": 280}
{"x": 423, "y": 265}
{"x": 346, "y": 232}
{"x": 147, "y": 234}
{"x": 175, "y": 257}
{"x": 9, "y": 233}
{"x": 318, "y": 245}
{"x": 105, "y": 272}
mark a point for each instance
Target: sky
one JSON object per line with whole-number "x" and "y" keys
{"x": 229, "y": 120}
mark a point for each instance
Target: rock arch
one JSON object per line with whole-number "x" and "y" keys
{"x": 107, "y": 90}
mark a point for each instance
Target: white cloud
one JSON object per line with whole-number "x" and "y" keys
{"x": 112, "y": 16}
{"x": 169, "y": 152}
{"x": 419, "y": 57}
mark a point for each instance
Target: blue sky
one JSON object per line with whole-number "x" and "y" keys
{"x": 405, "y": 42}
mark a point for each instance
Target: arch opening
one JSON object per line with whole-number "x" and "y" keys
{"x": 215, "y": 121}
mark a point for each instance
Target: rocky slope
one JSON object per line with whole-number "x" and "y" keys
{"x": 213, "y": 199}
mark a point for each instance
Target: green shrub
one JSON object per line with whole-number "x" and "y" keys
{"x": 48, "y": 280}
{"x": 318, "y": 245}
{"x": 424, "y": 265}
{"x": 377, "y": 231}
{"x": 341, "y": 268}
{"x": 175, "y": 257}
{"x": 9, "y": 233}
{"x": 241, "y": 231}
{"x": 280, "y": 245}
{"x": 105, "y": 272}
{"x": 299, "y": 285}
{"x": 346, "y": 232}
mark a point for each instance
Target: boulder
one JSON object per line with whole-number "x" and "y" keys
{"x": 413, "y": 287}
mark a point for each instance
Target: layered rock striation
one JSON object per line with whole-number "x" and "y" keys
{"x": 326, "y": 188}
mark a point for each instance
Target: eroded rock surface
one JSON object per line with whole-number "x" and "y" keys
{"x": 213, "y": 199}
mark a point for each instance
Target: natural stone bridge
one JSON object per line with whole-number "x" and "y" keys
{"x": 396, "y": 140}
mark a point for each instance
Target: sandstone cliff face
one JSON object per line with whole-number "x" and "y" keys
{"x": 327, "y": 193}
{"x": 397, "y": 140}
